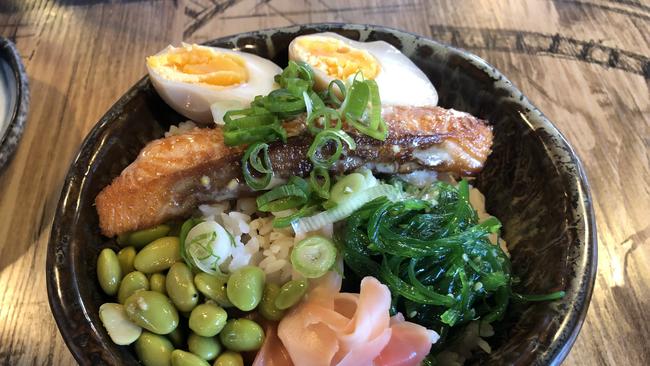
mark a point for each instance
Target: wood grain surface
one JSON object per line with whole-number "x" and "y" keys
{"x": 584, "y": 63}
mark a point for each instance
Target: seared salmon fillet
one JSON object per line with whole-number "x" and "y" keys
{"x": 173, "y": 175}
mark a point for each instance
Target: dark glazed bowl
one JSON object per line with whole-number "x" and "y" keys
{"x": 533, "y": 182}
{"x": 14, "y": 102}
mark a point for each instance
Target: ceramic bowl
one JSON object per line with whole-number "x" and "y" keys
{"x": 533, "y": 182}
{"x": 14, "y": 100}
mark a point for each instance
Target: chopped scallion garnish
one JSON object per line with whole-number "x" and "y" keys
{"x": 291, "y": 195}
{"x": 321, "y": 189}
{"x": 313, "y": 256}
{"x": 318, "y": 157}
{"x": 260, "y": 164}
{"x": 331, "y": 95}
{"x": 251, "y": 125}
{"x": 306, "y": 210}
{"x": 368, "y": 122}
{"x": 322, "y": 118}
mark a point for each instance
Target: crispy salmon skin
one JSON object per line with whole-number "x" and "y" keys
{"x": 173, "y": 175}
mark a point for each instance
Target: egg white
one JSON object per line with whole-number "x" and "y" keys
{"x": 399, "y": 80}
{"x": 206, "y": 104}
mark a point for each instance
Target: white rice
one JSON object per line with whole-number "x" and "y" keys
{"x": 180, "y": 129}
{"x": 257, "y": 242}
{"x": 469, "y": 341}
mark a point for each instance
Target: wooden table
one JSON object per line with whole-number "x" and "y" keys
{"x": 585, "y": 63}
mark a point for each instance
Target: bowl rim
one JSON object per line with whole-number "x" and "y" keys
{"x": 75, "y": 179}
{"x": 10, "y": 138}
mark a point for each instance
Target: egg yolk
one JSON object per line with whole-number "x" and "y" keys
{"x": 336, "y": 58}
{"x": 200, "y": 65}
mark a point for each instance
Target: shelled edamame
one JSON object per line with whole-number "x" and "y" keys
{"x": 174, "y": 314}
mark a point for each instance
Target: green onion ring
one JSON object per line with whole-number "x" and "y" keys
{"x": 329, "y": 115}
{"x": 306, "y": 210}
{"x": 375, "y": 126}
{"x": 260, "y": 164}
{"x": 356, "y": 101}
{"x": 322, "y": 190}
{"x": 331, "y": 95}
{"x": 282, "y": 198}
{"x": 321, "y": 140}
{"x": 308, "y": 104}
{"x": 254, "y": 134}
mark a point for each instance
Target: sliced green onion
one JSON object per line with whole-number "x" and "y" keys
{"x": 347, "y": 186}
{"x": 255, "y": 134}
{"x": 321, "y": 189}
{"x": 306, "y": 210}
{"x": 305, "y": 72}
{"x": 369, "y": 123}
{"x": 313, "y": 257}
{"x": 296, "y": 78}
{"x": 375, "y": 104}
{"x": 295, "y": 70}
{"x": 356, "y": 101}
{"x": 316, "y": 101}
{"x": 250, "y": 125}
{"x": 208, "y": 244}
{"x": 308, "y": 104}
{"x": 344, "y": 209}
{"x": 282, "y": 102}
{"x": 331, "y": 95}
{"x": 185, "y": 229}
{"x": 327, "y": 115}
{"x": 262, "y": 165}
{"x": 291, "y": 195}
{"x": 249, "y": 117}
{"x": 321, "y": 140}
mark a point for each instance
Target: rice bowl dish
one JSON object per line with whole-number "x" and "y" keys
{"x": 234, "y": 205}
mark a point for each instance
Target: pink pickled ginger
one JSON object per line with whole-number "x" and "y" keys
{"x": 333, "y": 328}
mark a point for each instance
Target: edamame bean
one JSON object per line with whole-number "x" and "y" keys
{"x": 177, "y": 336}
{"x": 154, "y": 350}
{"x": 229, "y": 358}
{"x": 242, "y": 335}
{"x": 267, "y": 306}
{"x": 180, "y": 287}
{"x": 141, "y": 238}
{"x": 152, "y": 311}
{"x": 290, "y": 294}
{"x": 126, "y": 256}
{"x": 158, "y": 283}
{"x": 208, "y": 348}
{"x": 245, "y": 287}
{"x": 158, "y": 256}
{"x": 213, "y": 287}
{"x": 182, "y": 358}
{"x": 109, "y": 272}
{"x": 132, "y": 283}
{"x": 207, "y": 320}
{"x": 121, "y": 330}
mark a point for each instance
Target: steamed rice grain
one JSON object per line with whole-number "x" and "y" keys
{"x": 256, "y": 241}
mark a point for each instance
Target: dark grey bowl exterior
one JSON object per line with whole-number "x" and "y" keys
{"x": 533, "y": 182}
{"x": 18, "y": 91}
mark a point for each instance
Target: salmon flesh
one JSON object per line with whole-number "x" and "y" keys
{"x": 173, "y": 175}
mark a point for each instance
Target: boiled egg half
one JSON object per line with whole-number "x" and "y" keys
{"x": 202, "y": 83}
{"x": 333, "y": 56}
